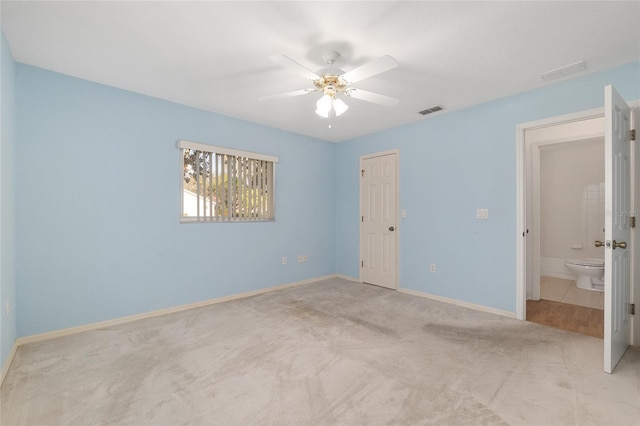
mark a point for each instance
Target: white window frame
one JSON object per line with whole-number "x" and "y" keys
{"x": 183, "y": 144}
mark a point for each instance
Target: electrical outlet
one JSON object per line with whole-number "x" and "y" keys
{"x": 432, "y": 267}
{"x": 284, "y": 260}
{"x": 482, "y": 213}
{"x": 8, "y": 310}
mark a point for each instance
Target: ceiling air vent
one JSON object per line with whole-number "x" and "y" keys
{"x": 564, "y": 71}
{"x": 431, "y": 110}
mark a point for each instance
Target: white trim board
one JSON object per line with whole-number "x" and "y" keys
{"x": 7, "y": 363}
{"x": 348, "y": 278}
{"x": 442, "y": 299}
{"x": 460, "y": 303}
{"x": 123, "y": 320}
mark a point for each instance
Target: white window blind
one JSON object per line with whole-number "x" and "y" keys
{"x": 226, "y": 185}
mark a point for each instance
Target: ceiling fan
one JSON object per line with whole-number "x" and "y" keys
{"x": 332, "y": 82}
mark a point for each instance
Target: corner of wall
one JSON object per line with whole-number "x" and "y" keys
{"x": 8, "y": 327}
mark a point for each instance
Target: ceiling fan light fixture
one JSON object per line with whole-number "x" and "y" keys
{"x": 328, "y": 102}
{"x": 323, "y": 106}
{"x": 322, "y": 113}
{"x": 339, "y": 107}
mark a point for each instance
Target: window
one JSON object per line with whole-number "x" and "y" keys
{"x": 226, "y": 185}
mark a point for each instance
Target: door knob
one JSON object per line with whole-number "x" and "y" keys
{"x": 598, "y": 243}
{"x": 621, "y": 244}
{"x": 391, "y": 228}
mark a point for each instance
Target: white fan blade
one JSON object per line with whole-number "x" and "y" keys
{"x": 289, "y": 94}
{"x": 375, "y": 98}
{"x": 290, "y": 63}
{"x": 369, "y": 69}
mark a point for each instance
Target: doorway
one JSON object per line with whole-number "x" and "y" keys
{"x": 536, "y": 140}
{"x": 378, "y": 218}
{"x": 567, "y": 183}
{"x": 622, "y": 286}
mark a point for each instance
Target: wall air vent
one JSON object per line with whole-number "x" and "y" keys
{"x": 431, "y": 110}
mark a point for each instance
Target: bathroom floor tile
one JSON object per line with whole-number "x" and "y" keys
{"x": 554, "y": 288}
{"x": 578, "y": 296}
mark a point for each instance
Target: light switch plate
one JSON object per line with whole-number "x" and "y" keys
{"x": 482, "y": 213}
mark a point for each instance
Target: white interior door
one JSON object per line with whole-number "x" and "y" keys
{"x": 617, "y": 321}
{"x": 635, "y": 232}
{"x": 378, "y": 220}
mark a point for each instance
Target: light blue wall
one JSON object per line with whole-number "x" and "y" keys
{"x": 7, "y": 203}
{"x": 97, "y": 194}
{"x": 98, "y": 186}
{"x": 450, "y": 165}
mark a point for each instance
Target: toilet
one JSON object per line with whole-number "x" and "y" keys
{"x": 590, "y": 273}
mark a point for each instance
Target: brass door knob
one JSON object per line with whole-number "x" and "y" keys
{"x": 621, "y": 244}
{"x": 391, "y": 228}
{"x": 598, "y": 243}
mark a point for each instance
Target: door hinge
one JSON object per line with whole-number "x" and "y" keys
{"x": 632, "y": 135}
{"x": 633, "y": 222}
{"x": 632, "y": 308}
{"x": 362, "y": 220}
{"x": 362, "y": 263}
{"x": 362, "y": 171}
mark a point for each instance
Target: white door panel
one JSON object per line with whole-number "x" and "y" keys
{"x": 617, "y": 321}
{"x": 378, "y": 220}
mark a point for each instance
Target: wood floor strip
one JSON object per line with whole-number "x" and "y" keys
{"x": 580, "y": 319}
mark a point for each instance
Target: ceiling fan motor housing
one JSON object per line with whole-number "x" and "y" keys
{"x": 330, "y": 56}
{"x": 330, "y": 90}
{"x": 329, "y": 81}
{"x": 330, "y": 84}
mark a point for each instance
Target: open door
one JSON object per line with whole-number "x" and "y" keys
{"x": 617, "y": 259}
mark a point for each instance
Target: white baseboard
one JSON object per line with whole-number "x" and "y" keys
{"x": 346, "y": 277}
{"x": 7, "y": 363}
{"x": 458, "y": 303}
{"x": 554, "y": 267}
{"x": 123, "y": 320}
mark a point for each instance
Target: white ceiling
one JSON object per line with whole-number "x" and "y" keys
{"x": 215, "y": 55}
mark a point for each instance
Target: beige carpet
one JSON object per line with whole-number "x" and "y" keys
{"x": 332, "y": 352}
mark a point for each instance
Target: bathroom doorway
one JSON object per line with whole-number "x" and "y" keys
{"x": 622, "y": 195}
{"x": 565, "y": 199}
